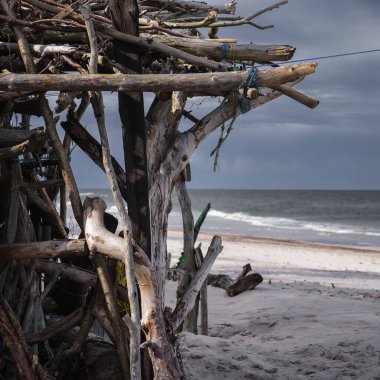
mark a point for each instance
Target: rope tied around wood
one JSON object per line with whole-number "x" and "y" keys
{"x": 228, "y": 51}
{"x": 250, "y": 82}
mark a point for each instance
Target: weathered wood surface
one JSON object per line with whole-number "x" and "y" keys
{"x": 10, "y": 137}
{"x": 266, "y": 77}
{"x": 229, "y": 51}
{"x": 42, "y": 249}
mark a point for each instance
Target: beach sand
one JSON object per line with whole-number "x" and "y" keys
{"x": 315, "y": 316}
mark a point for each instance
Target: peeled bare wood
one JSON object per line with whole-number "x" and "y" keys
{"x": 266, "y": 77}
{"x": 12, "y": 47}
{"x": 297, "y": 96}
{"x": 100, "y": 240}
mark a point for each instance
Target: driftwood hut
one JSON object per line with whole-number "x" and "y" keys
{"x": 59, "y": 311}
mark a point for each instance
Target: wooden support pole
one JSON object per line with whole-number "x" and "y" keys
{"x": 266, "y": 77}
{"x": 188, "y": 299}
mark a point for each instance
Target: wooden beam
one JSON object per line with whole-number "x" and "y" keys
{"x": 265, "y": 77}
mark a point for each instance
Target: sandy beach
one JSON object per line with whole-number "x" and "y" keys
{"x": 315, "y": 316}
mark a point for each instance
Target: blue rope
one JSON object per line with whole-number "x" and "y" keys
{"x": 225, "y": 48}
{"x": 250, "y": 82}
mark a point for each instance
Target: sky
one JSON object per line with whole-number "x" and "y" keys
{"x": 284, "y": 145}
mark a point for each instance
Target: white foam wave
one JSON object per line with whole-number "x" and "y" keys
{"x": 86, "y": 194}
{"x": 292, "y": 224}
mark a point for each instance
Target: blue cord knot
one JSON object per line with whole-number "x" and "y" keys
{"x": 250, "y": 82}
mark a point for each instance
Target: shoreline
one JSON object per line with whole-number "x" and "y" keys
{"x": 285, "y": 242}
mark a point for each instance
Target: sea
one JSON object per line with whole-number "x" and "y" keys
{"x": 322, "y": 216}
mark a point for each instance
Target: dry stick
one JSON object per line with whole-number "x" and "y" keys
{"x": 76, "y": 274}
{"x": 203, "y": 294}
{"x": 218, "y": 24}
{"x": 59, "y": 327}
{"x": 80, "y": 338}
{"x": 187, "y": 301}
{"x": 188, "y": 247}
{"x": 18, "y": 333}
{"x": 203, "y": 82}
{"x": 11, "y": 341}
{"x": 145, "y": 43}
{"x": 113, "y": 313}
{"x": 97, "y": 104}
{"x": 92, "y": 148}
{"x": 42, "y": 249}
{"x": 34, "y": 142}
{"x": 67, "y": 173}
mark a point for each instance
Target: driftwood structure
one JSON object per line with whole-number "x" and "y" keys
{"x": 56, "y": 292}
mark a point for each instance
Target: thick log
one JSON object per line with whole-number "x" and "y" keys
{"x": 265, "y": 77}
{"x": 10, "y": 137}
{"x": 229, "y": 51}
{"x": 34, "y": 143}
{"x": 42, "y": 250}
{"x": 237, "y": 286}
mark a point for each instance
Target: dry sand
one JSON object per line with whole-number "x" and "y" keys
{"x": 296, "y": 324}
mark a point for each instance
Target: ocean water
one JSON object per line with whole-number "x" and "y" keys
{"x": 336, "y": 217}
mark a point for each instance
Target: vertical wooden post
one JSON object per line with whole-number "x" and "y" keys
{"x": 203, "y": 294}
{"x": 125, "y": 16}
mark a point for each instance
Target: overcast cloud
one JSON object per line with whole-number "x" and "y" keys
{"x": 285, "y": 145}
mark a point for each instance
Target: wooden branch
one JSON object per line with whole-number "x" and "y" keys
{"x": 188, "y": 246}
{"x": 203, "y": 294}
{"x": 59, "y": 327}
{"x": 42, "y": 249}
{"x": 297, "y": 96}
{"x": 80, "y": 338}
{"x": 93, "y": 149}
{"x": 41, "y": 50}
{"x": 11, "y": 341}
{"x": 114, "y": 316}
{"x": 187, "y": 301}
{"x": 34, "y": 143}
{"x": 229, "y": 51}
{"x": 266, "y": 77}
{"x": 44, "y": 203}
{"x": 102, "y": 241}
{"x": 192, "y": 5}
{"x": 17, "y": 343}
{"x": 44, "y": 184}
{"x": 135, "y": 359}
{"x": 76, "y": 274}
{"x": 10, "y": 137}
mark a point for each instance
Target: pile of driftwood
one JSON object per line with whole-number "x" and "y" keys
{"x": 58, "y": 296}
